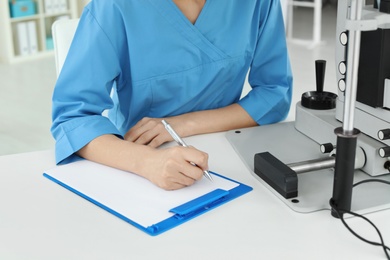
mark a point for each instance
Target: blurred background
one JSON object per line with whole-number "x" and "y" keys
{"x": 27, "y": 78}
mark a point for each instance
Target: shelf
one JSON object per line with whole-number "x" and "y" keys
{"x": 58, "y": 14}
{"x": 29, "y": 37}
{"x": 24, "y": 18}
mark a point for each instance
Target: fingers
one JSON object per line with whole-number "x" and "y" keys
{"x": 138, "y": 129}
{"x": 197, "y": 157}
{"x": 148, "y": 131}
{"x": 188, "y": 162}
{"x": 171, "y": 168}
{"x": 173, "y": 179}
{"x": 177, "y": 168}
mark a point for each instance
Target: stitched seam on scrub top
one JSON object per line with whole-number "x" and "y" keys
{"x": 168, "y": 75}
{"x": 104, "y": 32}
{"x": 188, "y": 24}
{"x": 64, "y": 132}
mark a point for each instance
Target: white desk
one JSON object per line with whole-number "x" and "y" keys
{"x": 42, "y": 220}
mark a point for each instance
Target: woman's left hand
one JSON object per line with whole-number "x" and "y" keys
{"x": 148, "y": 131}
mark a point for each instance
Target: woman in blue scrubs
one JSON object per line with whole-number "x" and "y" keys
{"x": 184, "y": 61}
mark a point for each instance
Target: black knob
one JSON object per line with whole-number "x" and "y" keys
{"x": 384, "y": 134}
{"x": 384, "y": 152}
{"x": 387, "y": 165}
{"x": 320, "y": 75}
{"x": 319, "y": 99}
{"x": 327, "y": 147}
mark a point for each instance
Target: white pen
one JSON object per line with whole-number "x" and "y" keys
{"x": 181, "y": 142}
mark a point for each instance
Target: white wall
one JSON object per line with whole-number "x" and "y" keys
{"x": 81, "y": 5}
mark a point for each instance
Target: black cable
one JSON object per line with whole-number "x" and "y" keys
{"x": 381, "y": 244}
{"x": 371, "y": 180}
{"x": 341, "y": 213}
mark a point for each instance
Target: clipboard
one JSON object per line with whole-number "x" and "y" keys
{"x": 139, "y": 202}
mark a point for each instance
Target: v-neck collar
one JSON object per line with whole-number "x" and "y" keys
{"x": 182, "y": 15}
{"x": 205, "y": 6}
{"x": 202, "y": 13}
{"x": 191, "y": 32}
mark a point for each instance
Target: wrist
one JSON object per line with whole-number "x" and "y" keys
{"x": 140, "y": 156}
{"x": 186, "y": 124}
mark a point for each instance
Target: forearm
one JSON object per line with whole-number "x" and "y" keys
{"x": 169, "y": 168}
{"x": 115, "y": 152}
{"x": 131, "y": 155}
{"x": 215, "y": 120}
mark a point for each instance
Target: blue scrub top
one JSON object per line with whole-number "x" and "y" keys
{"x": 146, "y": 59}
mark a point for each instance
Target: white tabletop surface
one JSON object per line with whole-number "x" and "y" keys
{"x": 41, "y": 220}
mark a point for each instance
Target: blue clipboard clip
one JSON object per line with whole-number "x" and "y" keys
{"x": 198, "y": 206}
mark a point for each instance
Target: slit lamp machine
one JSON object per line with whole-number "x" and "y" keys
{"x": 336, "y": 140}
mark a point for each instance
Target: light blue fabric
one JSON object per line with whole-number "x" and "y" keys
{"x": 140, "y": 58}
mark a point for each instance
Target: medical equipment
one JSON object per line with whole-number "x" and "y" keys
{"x": 354, "y": 136}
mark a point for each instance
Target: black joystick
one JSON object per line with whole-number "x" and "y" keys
{"x": 319, "y": 99}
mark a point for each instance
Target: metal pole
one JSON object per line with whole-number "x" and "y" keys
{"x": 347, "y": 135}
{"x": 313, "y": 165}
{"x": 353, "y": 66}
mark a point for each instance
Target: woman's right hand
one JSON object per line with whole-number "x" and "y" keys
{"x": 172, "y": 168}
{"x": 169, "y": 168}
